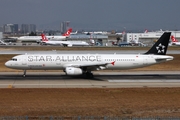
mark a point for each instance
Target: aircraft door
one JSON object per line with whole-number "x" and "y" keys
{"x": 145, "y": 60}
{"x": 24, "y": 60}
{"x": 99, "y": 58}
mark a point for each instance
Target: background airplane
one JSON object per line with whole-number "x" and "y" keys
{"x": 38, "y": 38}
{"x": 62, "y": 43}
{"x": 174, "y": 41}
{"x": 84, "y": 64}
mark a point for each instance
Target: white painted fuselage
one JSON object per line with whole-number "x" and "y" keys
{"x": 38, "y": 38}
{"x": 91, "y": 61}
{"x": 66, "y": 43}
{"x": 176, "y": 43}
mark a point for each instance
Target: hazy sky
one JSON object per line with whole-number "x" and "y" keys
{"x": 93, "y": 14}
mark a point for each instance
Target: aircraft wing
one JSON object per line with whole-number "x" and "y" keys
{"x": 91, "y": 67}
{"x": 67, "y": 44}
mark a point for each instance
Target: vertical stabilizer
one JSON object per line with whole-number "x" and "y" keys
{"x": 173, "y": 39}
{"x": 44, "y": 38}
{"x": 68, "y": 32}
{"x": 160, "y": 47}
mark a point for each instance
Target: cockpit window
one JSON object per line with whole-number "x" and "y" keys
{"x": 13, "y": 59}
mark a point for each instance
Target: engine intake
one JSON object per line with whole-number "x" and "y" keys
{"x": 73, "y": 71}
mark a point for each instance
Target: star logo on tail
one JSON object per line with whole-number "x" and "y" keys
{"x": 160, "y": 48}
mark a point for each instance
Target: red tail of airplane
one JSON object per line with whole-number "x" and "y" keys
{"x": 44, "y": 38}
{"x": 173, "y": 39}
{"x": 68, "y": 32}
{"x": 146, "y": 31}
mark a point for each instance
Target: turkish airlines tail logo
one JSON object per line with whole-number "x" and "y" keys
{"x": 44, "y": 38}
{"x": 173, "y": 39}
{"x": 68, "y": 32}
{"x": 146, "y": 31}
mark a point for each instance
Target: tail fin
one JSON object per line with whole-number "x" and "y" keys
{"x": 173, "y": 39}
{"x": 160, "y": 47}
{"x": 68, "y": 32}
{"x": 44, "y": 38}
{"x": 146, "y": 31}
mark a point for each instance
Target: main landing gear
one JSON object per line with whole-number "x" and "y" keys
{"x": 88, "y": 75}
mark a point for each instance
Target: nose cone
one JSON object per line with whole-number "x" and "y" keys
{"x": 7, "y": 64}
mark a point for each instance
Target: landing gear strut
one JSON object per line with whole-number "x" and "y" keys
{"x": 89, "y": 75}
{"x": 24, "y": 75}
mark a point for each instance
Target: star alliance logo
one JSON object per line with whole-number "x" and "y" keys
{"x": 160, "y": 48}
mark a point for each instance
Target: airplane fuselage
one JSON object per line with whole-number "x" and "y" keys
{"x": 103, "y": 61}
{"x": 67, "y": 43}
{"x": 176, "y": 43}
{"x": 38, "y": 38}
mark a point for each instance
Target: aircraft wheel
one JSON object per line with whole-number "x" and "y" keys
{"x": 24, "y": 75}
{"x": 89, "y": 75}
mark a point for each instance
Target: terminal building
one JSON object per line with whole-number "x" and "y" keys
{"x": 148, "y": 38}
{"x": 10, "y": 28}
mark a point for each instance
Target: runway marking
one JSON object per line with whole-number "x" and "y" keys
{"x": 145, "y": 81}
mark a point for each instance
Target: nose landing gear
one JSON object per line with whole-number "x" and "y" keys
{"x": 24, "y": 75}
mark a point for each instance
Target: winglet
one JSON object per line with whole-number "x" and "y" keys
{"x": 160, "y": 47}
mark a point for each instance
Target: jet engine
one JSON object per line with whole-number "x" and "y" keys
{"x": 69, "y": 45}
{"x": 73, "y": 71}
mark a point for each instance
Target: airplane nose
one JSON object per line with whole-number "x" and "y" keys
{"x": 7, "y": 64}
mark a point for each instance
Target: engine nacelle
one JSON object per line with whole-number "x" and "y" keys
{"x": 73, "y": 71}
{"x": 69, "y": 45}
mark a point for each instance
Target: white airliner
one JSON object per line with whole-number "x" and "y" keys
{"x": 174, "y": 41}
{"x": 84, "y": 64}
{"x": 62, "y": 43}
{"x": 38, "y": 38}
